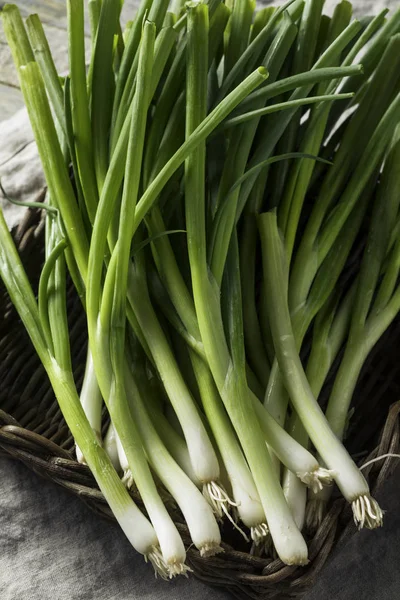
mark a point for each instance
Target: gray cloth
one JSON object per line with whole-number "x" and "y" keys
{"x": 54, "y": 548}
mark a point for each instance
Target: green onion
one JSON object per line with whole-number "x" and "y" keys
{"x": 349, "y": 479}
{"x": 134, "y": 524}
{"x": 223, "y": 192}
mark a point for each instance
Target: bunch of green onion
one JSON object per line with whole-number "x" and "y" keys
{"x": 226, "y": 164}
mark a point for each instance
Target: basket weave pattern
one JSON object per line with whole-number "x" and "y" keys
{"x": 33, "y": 431}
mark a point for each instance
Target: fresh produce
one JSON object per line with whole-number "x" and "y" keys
{"x": 211, "y": 174}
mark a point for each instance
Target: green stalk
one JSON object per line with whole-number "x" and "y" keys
{"x": 122, "y": 250}
{"x": 165, "y": 42}
{"x": 53, "y": 163}
{"x": 308, "y": 35}
{"x": 330, "y": 331}
{"x": 240, "y": 22}
{"x": 276, "y": 397}
{"x": 293, "y": 551}
{"x": 203, "y": 458}
{"x": 243, "y": 118}
{"x": 45, "y": 61}
{"x": 354, "y": 147}
{"x": 363, "y": 335}
{"x": 173, "y": 441}
{"x": 69, "y": 129}
{"x": 102, "y": 91}
{"x": 52, "y": 255}
{"x": 115, "y": 176}
{"x": 374, "y": 52}
{"x": 130, "y": 52}
{"x": 163, "y": 298}
{"x": 207, "y": 303}
{"x": 255, "y": 350}
{"x": 237, "y": 158}
{"x": 204, "y": 129}
{"x": 171, "y": 91}
{"x": 16, "y": 36}
{"x": 287, "y": 84}
{"x": 198, "y": 515}
{"x": 135, "y": 526}
{"x": 94, "y": 7}
{"x": 175, "y": 386}
{"x": 260, "y": 20}
{"x": 244, "y": 491}
{"x": 264, "y": 324}
{"x": 114, "y": 393}
{"x": 251, "y": 55}
{"x": 172, "y": 279}
{"x": 291, "y": 454}
{"x": 295, "y": 190}
{"x": 303, "y": 59}
{"x": 80, "y": 106}
{"x": 349, "y": 479}
{"x": 168, "y": 97}
{"x": 271, "y": 132}
{"x": 170, "y": 541}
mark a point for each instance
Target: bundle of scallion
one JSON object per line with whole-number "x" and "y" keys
{"x": 226, "y": 164}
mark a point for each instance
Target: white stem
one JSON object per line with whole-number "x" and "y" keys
{"x": 296, "y": 494}
{"x": 132, "y": 521}
{"x": 92, "y": 402}
{"x": 202, "y": 454}
{"x": 197, "y": 512}
{"x": 110, "y": 446}
{"x": 123, "y": 461}
{"x": 244, "y": 491}
{"x": 291, "y": 453}
{"x": 348, "y": 477}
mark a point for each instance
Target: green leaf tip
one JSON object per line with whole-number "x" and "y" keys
{"x": 263, "y": 71}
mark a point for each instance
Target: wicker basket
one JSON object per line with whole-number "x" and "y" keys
{"x": 33, "y": 431}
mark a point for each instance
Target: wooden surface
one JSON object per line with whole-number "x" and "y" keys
{"x": 54, "y": 18}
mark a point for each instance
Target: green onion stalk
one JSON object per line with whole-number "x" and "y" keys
{"x": 291, "y": 548}
{"x": 330, "y": 330}
{"x": 311, "y": 254}
{"x": 292, "y": 455}
{"x": 276, "y": 390}
{"x": 147, "y": 200}
{"x": 79, "y": 149}
{"x": 376, "y": 304}
{"x": 107, "y": 324}
{"x": 297, "y": 458}
{"x": 203, "y": 457}
{"x": 51, "y": 342}
{"x": 245, "y": 494}
{"x": 195, "y": 508}
{"x": 323, "y": 284}
{"x": 60, "y": 188}
{"x": 349, "y": 479}
{"x": 58, "y": 180}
